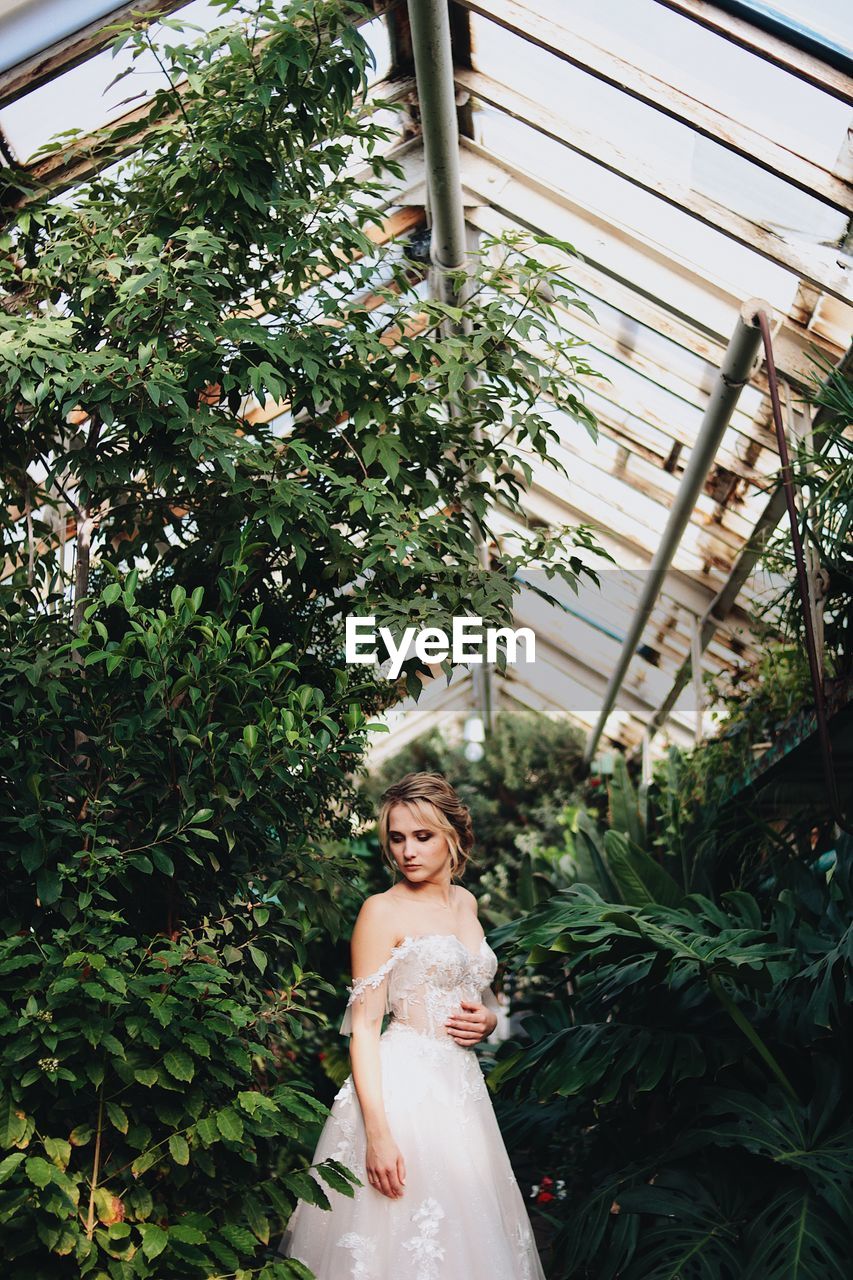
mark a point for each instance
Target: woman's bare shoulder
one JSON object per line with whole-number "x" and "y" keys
{"x": 376, "y": 914}
{"x": 377, "y": 904}
{"x": 373, "y": 935}
{"x": 466, "y": 898}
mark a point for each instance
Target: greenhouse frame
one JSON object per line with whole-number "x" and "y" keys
{"x": 697, "y": 156}
{"x": 512, "y": 338}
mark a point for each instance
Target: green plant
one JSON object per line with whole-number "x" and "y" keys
{"x": 700, "y": 1057}
{"x": 199, "y": 394}
{"x": 161, "y": 882}
{"x": 704, "y": 802}
{"x": 617, "y": 860}
{"x": 822, "y": 473}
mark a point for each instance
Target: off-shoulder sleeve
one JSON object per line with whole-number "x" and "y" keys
{"x": 368, "y": 1000}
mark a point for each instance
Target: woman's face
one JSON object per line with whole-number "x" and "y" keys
{"x": 421, "y": 853}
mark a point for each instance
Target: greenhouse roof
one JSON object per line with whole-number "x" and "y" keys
{"x": 696, "y": 155}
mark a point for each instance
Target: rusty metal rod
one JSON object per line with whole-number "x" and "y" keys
{"x": 802, "y": 580}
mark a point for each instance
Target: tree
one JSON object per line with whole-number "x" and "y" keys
{"x": 179, "y": 730}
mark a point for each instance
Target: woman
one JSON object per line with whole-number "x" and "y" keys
{"x": 415, "y": 1120}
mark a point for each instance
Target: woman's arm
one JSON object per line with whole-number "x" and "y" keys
{"x": 473, "y": 1021}
{"x": 372, "y": 942}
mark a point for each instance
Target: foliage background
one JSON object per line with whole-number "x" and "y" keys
{"x": 180, "y": 737}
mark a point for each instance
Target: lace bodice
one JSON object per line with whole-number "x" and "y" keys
{"x": 422, "y": 982}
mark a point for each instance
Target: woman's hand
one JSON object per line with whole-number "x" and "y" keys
{"x": 386, "y": 1169}
{"x": 474, "y": 1023}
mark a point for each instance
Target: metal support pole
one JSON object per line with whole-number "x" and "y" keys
{"x": 433, "y": 54}
{"x": 698, "y": 689}
{"x": 432, "y": 50}
{"x": 801, "y": 435}
{"x": 722, "y": 603}
{"x": 732, "y": 377}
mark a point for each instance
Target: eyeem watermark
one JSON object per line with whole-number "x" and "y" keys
{"x": 432, "y": 644}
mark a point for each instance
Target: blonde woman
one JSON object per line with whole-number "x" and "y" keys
{"x": 414, "y": 1120}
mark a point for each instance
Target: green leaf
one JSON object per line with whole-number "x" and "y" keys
{"x": 162, "y": 861}
{"x": 624, "y": 810}
{"x": 335, "y": 1180}
{"x": 186, "y": 1234}
{"x": 154, "y": 1239}
{"x": 59, "y": 1151}
{"x": 179, "y": 1064}
{"x": 118, "y": 1117}
{"x": 239, "y": 1237}
{"x": 257, "y": 1221}
{"x": 178, "y": 1149}
{"x": 306, "y": 1188}
{"x": 143, "y": 1163}
{"x": 229, "y": 1124}
{"x": 13, "y": 1121}
{"x": 794, "y": 1237}
{"x": 39, "y": 1171}
{"x": 639, "y": 878}
{"x": 48, "y": 885}
{"x": 10, "y": 1164}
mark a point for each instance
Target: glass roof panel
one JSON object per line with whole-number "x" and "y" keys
{"x": 761, "y": 196}
{"x": 82, "y": 99}
{"x": 667, "y": 150}
{"x": 686, "y": 55}
{"x": 829, "y": 21}
{"x": 665, "y": 229}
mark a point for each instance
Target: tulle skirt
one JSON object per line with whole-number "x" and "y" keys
{"x": 461, "y": 1215}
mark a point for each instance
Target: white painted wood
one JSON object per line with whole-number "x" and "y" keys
{"x": 690, "y": 316}
{"x": 763, "y": 44}
{"x": 524, "y": 22}
{"x": 817, "y": 264}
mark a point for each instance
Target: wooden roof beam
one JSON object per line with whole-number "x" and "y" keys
{"x": 763, "y": 44}
{"x": 816, "y": 263}
{"x": 61, "y": 55}
{"x": 812, "y": 178}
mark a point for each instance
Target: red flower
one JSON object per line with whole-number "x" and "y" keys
{"x": 544, "y": 1197}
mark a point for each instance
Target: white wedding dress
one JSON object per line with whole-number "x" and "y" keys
{"x": 461, "y": 1215}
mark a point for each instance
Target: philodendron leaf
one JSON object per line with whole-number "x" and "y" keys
{"x": 794, "y": 1236}
{"x": 640, "y": 879}
{"x": 624, "y": 809}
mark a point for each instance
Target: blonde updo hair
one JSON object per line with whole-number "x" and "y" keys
{"x": 434, "y": 802}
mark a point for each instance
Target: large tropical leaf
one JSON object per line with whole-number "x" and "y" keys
{"x": 795, "y": 1237}
{"x": 638, "y": 877}
{"x": 591, "y": 1225}
{"x": 600, "y": 1059}
{"x": 624, "y": 809}
{"x": 588, "y": 839}
{"x": 692, "y": 1235}
{"x": 792, "y": 1136}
